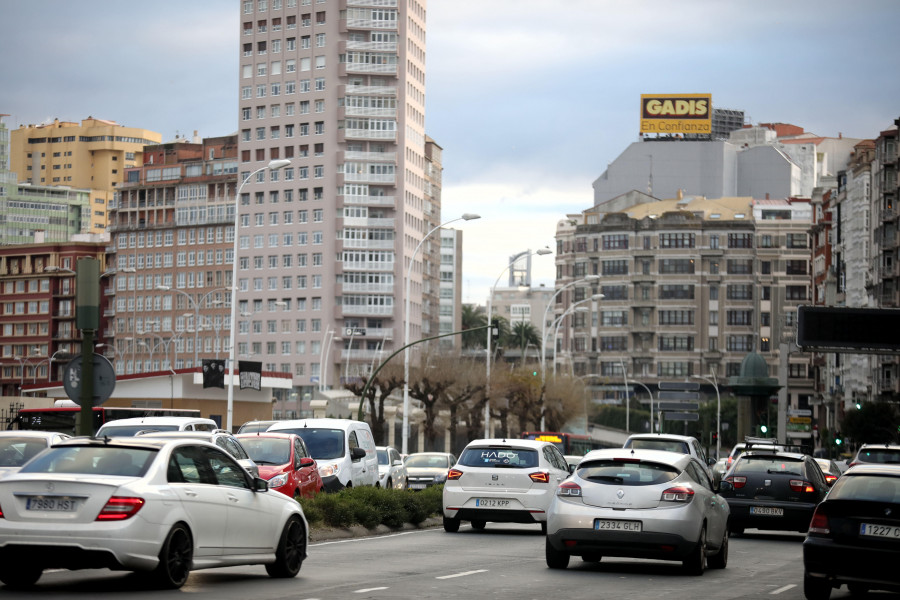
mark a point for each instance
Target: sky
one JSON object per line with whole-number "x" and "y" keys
{"x": 529, "y": 99}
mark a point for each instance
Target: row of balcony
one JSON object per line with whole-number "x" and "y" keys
{"x": 348, "y": 199}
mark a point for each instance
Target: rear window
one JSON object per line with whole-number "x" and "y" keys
{"x": 132, "y": 430}
{"x": 93, "y": 460}
{"x": 427, "y": 461}
{"x": 616, "y": 472}
{"x": 513, "y": 458}
{"x": 884, "y": 456}
{"x": 766, "y": 464}
{"x": 877, "y": 488}
{"x": 15, "y": 452}
{"x": 665, "y": 445}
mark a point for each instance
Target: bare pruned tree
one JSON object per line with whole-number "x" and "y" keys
{"x": 388, "y": 379}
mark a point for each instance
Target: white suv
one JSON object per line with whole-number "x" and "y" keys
{"x": 503, "y": 481}
{"x": 670, "y": 442}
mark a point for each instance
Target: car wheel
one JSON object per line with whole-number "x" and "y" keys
{"x": 291, "y": 550}
{"x": 20, "y": 576}
{"x": 719, "y": 560}
{"x": 695, "y": 563}
{"x": 451, "y": 525}
{"x": 175, "y": 559}
{"x": 816, "y": 588}
{"x": 390, "y": 485}
{"x": 544, "y": 528}
{"x": 594, "y": 558}
{"x": 555, "y": 558}
{"x": 478, "y": 524}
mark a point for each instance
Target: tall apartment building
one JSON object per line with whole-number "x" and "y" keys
{"x": 691, "y": 286}
{"x": 450, "y": 301}
{"x": 92, "y": 155}
{"x": 338, "y": 88}
{"x": 171, "y": 229}
{"x": 431, "y": 251}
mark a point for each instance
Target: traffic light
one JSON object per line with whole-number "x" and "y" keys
{"x": 495, "y": 330}
{"x": 837, "y": 440}
{"x": 858, "y": 406}
{"x": 714, "y": 436}
{"x": 764, "y": 428}
{"x": 534, "y": 373}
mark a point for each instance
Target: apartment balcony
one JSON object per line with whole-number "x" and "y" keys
{"x": 375, "y": 3}
{"x": 389, "y": 201}
{"x": 379, "y": 24}
{"x": 376, "y": 178}
{"x": 370, "y": 134}
{"x": 371, "y": 46}
{"x": 368, "y": 265}
{"x": 369, "y": 90}
{"x": 364, "y": 222}
{"x": 369, "y": 69}
{"x": 367, "y": 311}
{"x": 381, "y": 333}
{"x": 363, "y": 288}
{"x": 367, "y": 245}
{"x": 356, "y": 111}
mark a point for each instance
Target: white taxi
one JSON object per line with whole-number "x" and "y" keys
{"x": 503, "y": 481}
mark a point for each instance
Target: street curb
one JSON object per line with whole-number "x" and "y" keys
{"x": 325, "y": 534}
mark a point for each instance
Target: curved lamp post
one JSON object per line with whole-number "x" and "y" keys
{"x": 587, "y": 279}
{"x": 273, "y": 165}
{"x": 487, "y": 362}
{"x": 412, "y": 260}
{"x": 195, "y": 304}
{"x": 715, "y": 383}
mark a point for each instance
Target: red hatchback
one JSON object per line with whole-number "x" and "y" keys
{"x": 285, "y": 462}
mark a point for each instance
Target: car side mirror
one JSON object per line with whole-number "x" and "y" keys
{"x": 306, "y": 462}
{"x": 397, "y": 463}
{"x": 572, "y": 469}
{"x": 725, "y": 486}
{"x": 357, "y": 453}
{"x": 260, "y": 484}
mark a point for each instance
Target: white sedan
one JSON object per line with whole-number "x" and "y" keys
{"x": 163, "y": 507}
{"x": 18, "y": 447}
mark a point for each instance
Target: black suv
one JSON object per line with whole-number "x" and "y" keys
{"x": 773, "y": 489}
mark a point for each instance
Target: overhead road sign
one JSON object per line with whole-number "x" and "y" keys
{"x": 682, "y": 416}
{"x": 684, "y": 386}
{"x": 679, "y": 396}
{"x": 679, "y": 406}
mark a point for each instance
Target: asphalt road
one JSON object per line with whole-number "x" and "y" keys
{"x": 503, "y": 561}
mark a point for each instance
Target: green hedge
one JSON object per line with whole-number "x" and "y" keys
{"x": 371, "y": 506}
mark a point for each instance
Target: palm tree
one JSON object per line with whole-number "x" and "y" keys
{"x": 473, "y": 316}
{"x": 523, "y": 334}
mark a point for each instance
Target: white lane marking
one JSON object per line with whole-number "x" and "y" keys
{"x": 783, "y": 589}
{"x": 369, "y": 590}
{"x": 374, "y": 537}
{"x": 462, "y": 574}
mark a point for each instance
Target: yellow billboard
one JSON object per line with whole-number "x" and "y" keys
{"x": 676, "y": 113}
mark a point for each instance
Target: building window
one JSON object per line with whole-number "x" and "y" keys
{"x": 740, "y": 240}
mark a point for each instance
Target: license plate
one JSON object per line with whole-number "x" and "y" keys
{"x": 767, "y": 511}
{"x": 609, "y": 525}
{"x": 417, "y": 486}
{"x": 881, "y": 531}
{"x": 491, "y": 503}
{"x": 42, "y": 503}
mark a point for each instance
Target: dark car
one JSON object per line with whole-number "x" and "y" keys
{"x": 773, "y": 490}
{"x": 881, "y": 454}
{"x": 854, "y": 536}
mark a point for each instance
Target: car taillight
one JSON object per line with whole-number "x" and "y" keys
{"x": 1, "y": 514}
{"x": 454, "y": 474}
{"x": 540, "y": 477}
{"x": 737, "y": 481}
{"x": 678, "y": 494}
{"x": 819, "y": 523}
{"x": 120, "y": 508}
{"x": 798, "y": 485}
{"x": 829, "y": 478}
{"x": 569, "y": 488}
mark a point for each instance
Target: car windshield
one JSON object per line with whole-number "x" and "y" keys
{"x": 876, "y": 488}
{"x": 323, "y": 444}
{"x": 15, "y": 452}
{"x": 132, "y": 430}
{"x": 770, "y": 465}
{"x": 93, "y": 460}
{"x": 511, "y": 458}
{"x": 626, "y": 472}
{"x": 886, "y": 456}
{"x": 666, "y": 445}
{"x": 425, "y": 461}
{"x": 268, "y": 451}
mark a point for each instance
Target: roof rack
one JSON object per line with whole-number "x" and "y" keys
{"x": 750, "y": 442}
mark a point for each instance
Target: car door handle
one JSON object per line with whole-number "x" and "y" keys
{"x": 190, "y": 493}
{"x": 234, "y": 499}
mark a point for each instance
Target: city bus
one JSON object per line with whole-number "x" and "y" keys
{"x": 63, "y": 418}
{"x": 570, "y": 444}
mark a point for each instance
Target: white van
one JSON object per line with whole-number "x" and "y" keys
{"x": 134, "y": 425}
{"x": 343, "y": 448}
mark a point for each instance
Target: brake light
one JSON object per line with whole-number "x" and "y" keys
{"x": 570, "y": 489}
{"x": 454, "y": 474}
{"x": 120, "y": 508}
{"x": 798, "y": 485}
{"x": 819, "y": 523}
{"x": 678, "y": 494}
{"x": 737, "y": 481}
{"x": 1, "y": 514}
{"x": 830, "y": 478}
{"x": 540, "y": 477}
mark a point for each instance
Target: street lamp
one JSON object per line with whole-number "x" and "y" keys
{"x": 715, "y": 383}
{"x": 195, "y": 304}
{"x": 412, "y": 260}
{"x": 273, "y": 165}
{"x": 587, "y": 279}
{"x": 576, "y": 307}
{"x": 487, "y": 361}
{"x": 627, "y": 381}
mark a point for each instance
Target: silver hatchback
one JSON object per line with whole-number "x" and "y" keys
{"x": 638, "y": 504}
